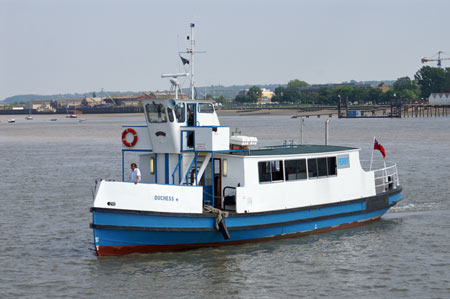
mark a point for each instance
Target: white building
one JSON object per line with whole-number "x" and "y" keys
{"x": 439, "y": 99}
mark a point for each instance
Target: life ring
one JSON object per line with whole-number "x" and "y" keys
{"x": 124, "y": 137}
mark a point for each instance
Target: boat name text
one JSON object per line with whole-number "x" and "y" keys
{"x": 165, "y": 198}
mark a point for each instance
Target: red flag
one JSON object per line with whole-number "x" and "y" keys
{"x": 377, "y": 146}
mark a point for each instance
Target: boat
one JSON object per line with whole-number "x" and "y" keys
{"x": 202, "y": 187}
{"x": 53, "y": 119}
{"x": 11, "y": 120}
{"x": 29, "y": 117}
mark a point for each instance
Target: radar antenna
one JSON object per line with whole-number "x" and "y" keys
{"x": 175, "y": 84}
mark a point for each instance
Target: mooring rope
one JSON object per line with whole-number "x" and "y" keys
{"x": 220, "y": 214}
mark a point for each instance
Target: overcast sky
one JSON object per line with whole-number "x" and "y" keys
{"x": 64, "y": 46}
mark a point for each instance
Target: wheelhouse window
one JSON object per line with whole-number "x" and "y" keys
{"x": 180, "y": 112}
{"x": 270, "y": 171}
{"x": 170, "y": 113}
{"x": 295, "y": 169}
{"x": 205, "y": 108}
{"x": 156, "y": 113}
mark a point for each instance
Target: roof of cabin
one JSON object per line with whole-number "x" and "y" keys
{"x": 295, "y": 150}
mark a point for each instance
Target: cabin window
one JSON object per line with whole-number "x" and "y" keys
{"x": 180, "y": 112}
{"x": 170, "y": 113}
{"x": 156, "y": 113}
{"x": 277, "y": 170}
{"x": 295, "y": 169}
{"x": 270, "y": 171}
{"x": 312, "y": 168}
{"x": 264, "y": 172}
{"x": 331, "y": 165}
{"x": 205, "y": 108}
{"x": 322, "y": 166}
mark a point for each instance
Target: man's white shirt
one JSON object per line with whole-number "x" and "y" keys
{"x": 134, "y": 174}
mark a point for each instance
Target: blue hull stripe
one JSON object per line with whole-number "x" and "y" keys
{"x": 111, "y": 237}
{"x": 173, "y": 222}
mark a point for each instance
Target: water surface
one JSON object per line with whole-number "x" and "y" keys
{"x": 48, "y": 171}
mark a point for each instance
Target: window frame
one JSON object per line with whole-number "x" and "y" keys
{"x": 160, "y": 111}
{"x": 297, "y": 170}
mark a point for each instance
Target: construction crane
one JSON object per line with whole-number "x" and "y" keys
{"x": 438, "y": 59}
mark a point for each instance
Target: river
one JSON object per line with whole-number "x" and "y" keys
{"x": 48, "y": 169}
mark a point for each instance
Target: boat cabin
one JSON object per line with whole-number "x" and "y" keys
{"x": 184, "y": 144}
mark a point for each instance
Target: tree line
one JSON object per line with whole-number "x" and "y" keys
{"x": 427, "y": 80}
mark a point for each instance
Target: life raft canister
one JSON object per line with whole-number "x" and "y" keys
{"x": 124, "y": 137}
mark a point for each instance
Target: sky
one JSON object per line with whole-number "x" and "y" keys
{"x": 68, "y": 46}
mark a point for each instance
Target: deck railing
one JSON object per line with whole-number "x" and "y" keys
{"x": 385, "y": 173}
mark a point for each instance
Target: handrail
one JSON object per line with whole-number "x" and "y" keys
{"x": 385, "y": 176}
{"x": 178, "y": 166}
{"x": 189, "y": 169}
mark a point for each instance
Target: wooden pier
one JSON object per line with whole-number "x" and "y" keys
{"x": 425, "y": 110}
{"x": 393, "y": 111}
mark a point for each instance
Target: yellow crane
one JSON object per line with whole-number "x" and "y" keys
{"x": 438, "y": 59}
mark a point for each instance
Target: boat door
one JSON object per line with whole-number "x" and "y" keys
{"x": 217, "y": 183}
{"x": 191, "y": 121}
{"x": 191, "y": 114}
{"x": 212, "y": 186}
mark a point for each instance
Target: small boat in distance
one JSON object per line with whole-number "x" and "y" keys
{"x": 11, "y": 120}
{"x": 202, "y": 187}
{"x": 29, "y": 117}
{"x": 53, "y": 119}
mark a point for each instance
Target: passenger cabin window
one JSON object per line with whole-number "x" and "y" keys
{"x": 312, "y": 168}
{"x": 270, "y": 171}
{"x": 295, "y": 169}
{"x": 180, "y": 112}
{"x": 321, "y": 167}
{"x": 156, "y": 113}
{"x": 331, "y": 165}
{"x": 205, "y": 108}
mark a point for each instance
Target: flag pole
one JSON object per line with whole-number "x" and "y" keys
{"x": 371, "y": 158}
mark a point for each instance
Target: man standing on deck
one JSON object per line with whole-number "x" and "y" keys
{"x": 135, "y": 174}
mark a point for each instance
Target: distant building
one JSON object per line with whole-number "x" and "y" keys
{"x": 160, "y": 95}
{"x": 266, "y": 96}
{"x": 92, "y": 102}
{"x": 384, "y": 88}
{"x": 439, "y": 99}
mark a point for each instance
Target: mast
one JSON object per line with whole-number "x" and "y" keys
{"x": 192, "y": 61}
{"x": 191, "y": 52}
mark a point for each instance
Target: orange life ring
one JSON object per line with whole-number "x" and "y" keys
{"x": 124, "y": 137}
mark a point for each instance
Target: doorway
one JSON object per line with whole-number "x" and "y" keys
{"x": 218, "y": 183}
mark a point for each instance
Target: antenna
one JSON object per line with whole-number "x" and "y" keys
{"x": 174, "y": 81}
{"x": 191, "y": 51}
